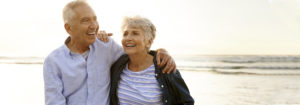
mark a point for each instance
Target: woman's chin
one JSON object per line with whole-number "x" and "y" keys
{"x": 129, "y": 52}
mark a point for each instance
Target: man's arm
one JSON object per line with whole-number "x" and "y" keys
{"x": 53, "y": 85}
{"x": 103, "y": 36}
{"x": 162, "y": 57}
{"x": 116, "y": 50}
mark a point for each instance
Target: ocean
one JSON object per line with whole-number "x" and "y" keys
{"x": 242, "y": 64}
{"x": 212, "y": 79}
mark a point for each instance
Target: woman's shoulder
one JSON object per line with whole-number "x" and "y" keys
{"x": 122, "y": 59}
{"x": 121, "y": 62}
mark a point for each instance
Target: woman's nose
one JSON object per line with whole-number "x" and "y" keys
{"x": 128, "y": 37}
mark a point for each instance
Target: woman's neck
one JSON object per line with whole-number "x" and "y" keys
{"x": 139, "y": 62}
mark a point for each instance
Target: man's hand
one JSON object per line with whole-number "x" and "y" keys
{"x": 164, "y": 59}
{"x": 103, "y": 36}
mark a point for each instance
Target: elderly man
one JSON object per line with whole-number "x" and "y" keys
{"x": 77, "y": 73}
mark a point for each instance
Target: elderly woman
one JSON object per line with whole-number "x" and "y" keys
{"x": 135, "y": 76}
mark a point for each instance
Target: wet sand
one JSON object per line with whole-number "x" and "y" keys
{"x": 209, "y": 88}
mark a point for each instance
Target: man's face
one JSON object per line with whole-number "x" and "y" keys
{"x": 84, "y": 25}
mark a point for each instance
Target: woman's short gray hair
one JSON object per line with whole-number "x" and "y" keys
{"x": 140, "y": 22}
{"x": 68, "y": 11}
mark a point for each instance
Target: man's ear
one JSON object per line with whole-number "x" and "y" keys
{"x": 68, "y": 28}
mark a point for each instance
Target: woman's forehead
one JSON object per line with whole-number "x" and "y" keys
{"x": 132, "y": 27}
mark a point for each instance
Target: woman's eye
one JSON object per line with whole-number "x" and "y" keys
{"x": 125, "y": 34}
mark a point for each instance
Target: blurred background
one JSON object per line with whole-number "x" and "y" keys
{"x": 230, "y": 52}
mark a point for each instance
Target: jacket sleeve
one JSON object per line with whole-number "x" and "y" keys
{"x": 179, "y": 89}
{"x": 53, "y": 85}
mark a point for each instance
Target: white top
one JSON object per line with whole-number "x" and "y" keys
{"x": 139, "y": 88}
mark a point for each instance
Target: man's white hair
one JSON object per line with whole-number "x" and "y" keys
{"x": 68, "y": 11}
{"x": 140, "y": 22}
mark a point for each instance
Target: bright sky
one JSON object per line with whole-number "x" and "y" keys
{"x": 35, "y": 27}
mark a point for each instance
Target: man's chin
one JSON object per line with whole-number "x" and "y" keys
{"x": 91, "y": 41}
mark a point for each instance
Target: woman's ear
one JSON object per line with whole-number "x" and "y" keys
{"x": 149, "y": 43}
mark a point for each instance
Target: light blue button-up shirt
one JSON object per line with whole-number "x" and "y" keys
{"x": 72, "y": 80}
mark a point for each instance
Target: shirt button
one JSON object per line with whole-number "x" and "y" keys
{"x": 166, "y": 101}
{"x": 156, "y": 75}
{"x": 162, "y": 86}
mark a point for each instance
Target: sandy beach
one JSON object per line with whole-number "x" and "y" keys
{"x": 209, "y": 88}
{"x": 23, "y": 85}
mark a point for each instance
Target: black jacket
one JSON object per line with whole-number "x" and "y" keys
{"x": 174, "y": 89}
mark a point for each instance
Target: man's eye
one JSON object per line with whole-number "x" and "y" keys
{"x": 85, "y": 20}
{"x": 135, "y": 33}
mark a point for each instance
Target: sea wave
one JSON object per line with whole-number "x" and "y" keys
{"x": 242, "y": 58}
{"x": 254, "y": 72}
{"x": 245, "y": 67}
{"x": 245, "y": 71}
{"x": 21, "y": 60}
{"x": 21, "y": 63}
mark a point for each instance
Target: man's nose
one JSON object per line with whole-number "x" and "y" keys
{"x": 94, "y": 25}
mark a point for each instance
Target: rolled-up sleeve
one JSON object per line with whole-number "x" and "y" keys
{"x": 53, "y": 84}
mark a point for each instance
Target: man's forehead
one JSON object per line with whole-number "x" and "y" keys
{"x": 84, "y": 10}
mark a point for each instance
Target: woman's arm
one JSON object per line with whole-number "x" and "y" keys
{"x": 178, "y": 89}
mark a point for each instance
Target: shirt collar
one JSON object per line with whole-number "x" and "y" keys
{"x": 69, "y": 52}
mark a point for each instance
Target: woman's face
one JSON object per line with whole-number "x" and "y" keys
{"x": 134, "y": 40}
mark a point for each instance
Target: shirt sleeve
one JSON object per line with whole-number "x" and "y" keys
{"x": 53, "y": 84}
{"x": 116, "y": 50}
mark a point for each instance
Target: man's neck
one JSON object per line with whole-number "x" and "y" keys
{"x": 77, "y": 47}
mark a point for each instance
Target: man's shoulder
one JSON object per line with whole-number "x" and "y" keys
{"x": 107, "y": 44}
{"x": 57, "y": 53}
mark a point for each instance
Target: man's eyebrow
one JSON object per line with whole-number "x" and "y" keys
{"x": 83, "y": 18}
{"x": 94, "y": 17}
